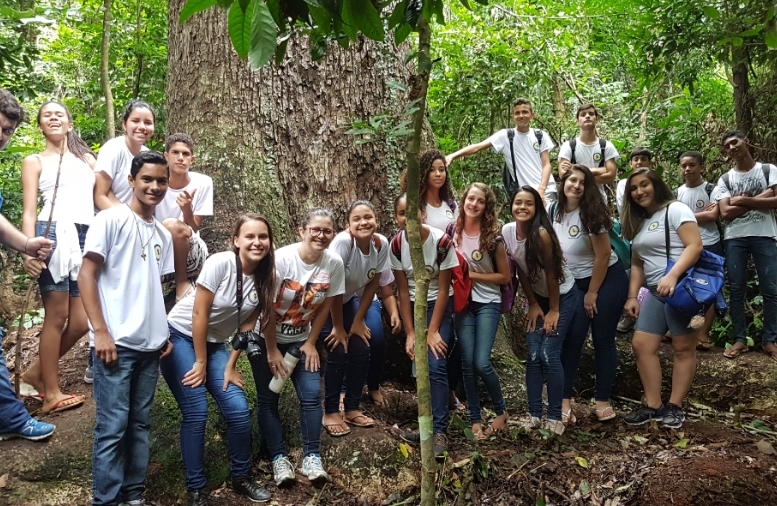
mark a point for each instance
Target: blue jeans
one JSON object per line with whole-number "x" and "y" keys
{"x": 476, "y": 331}
{"x": 544, "y": 355}
{"x": 308, "y": 386}
{"x": 45, "y": 281}
{"x": 13, "y": 414}
{"x": 351, "y": 366}
{"x": 764, "y": 253}
{"x": 438, "y": 369}
{"x": 123, "y": 395}
{"x": 609, "y": 305}
{"x": 194, "y": 409}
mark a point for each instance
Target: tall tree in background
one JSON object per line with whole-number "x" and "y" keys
{"x": 105, "y": 75}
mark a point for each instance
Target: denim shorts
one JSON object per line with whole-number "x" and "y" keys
{"x": 656, "y": 317}
{"x": 45, "y": 281}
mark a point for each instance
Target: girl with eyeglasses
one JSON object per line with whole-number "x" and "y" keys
{"x": 309, "y": 277}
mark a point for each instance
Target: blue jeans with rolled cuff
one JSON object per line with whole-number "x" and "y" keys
{"x": 13, "y": 414}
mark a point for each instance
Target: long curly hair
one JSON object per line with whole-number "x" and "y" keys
{"x": 533, "y": 248}
{"x": 634, "y": 215}
{"x": 427, "y": 158}
{"x": 595, "y": 215}
{"x": 489, "y": 220}
{"x": 264, "y": 274}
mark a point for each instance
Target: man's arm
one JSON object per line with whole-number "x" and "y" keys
{"x": 606, "y": 174}
{"x": 469, "y": 150}
{"x": 13, "y": 238}
{"x": 732, "y": 208}
{"x": 104, "y": 347}
{"x": 103, "y": 195}
{"x": 547, "y": 169}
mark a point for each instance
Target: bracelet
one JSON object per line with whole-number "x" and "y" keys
{"x": 627, "y": 298}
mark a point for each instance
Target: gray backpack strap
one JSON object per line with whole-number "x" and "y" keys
{"x": 572, "y": 146}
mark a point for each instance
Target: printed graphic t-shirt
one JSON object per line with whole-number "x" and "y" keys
{"x": 302, "y": 288}
{"x": 756, "y": 222}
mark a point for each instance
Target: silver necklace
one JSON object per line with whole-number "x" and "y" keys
{"x": 140, "y": 236}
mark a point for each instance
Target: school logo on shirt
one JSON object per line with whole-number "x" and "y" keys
{"x": 477, "y": 255}
{"x": 699, "y": 204}
{"x": 537, "y": 147}
{"x": 449, "y": 214}
{"x": 574, "y": 230}
{"x": 653, "y": 226}
{"x": 371, "y": 274}
{"x": 157, "y": 251}
{"x": 429, "y": 269}
{"x": 597, "y": 157}
{"x": 253, "y": 297}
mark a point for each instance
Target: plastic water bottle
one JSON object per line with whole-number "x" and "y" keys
{"x": 291, "y": 358}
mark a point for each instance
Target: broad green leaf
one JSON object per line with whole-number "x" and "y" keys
{"x": 398, "y": 15}
{"x": 770, "y": 13}
{"x": 8, "y": 13}
{"x": 321, "y": 16}
{"x": 244, "y": 4}
{"x": 737, "y": 41}
{"x": 540, "y": 502}
{"x": 350, "y": 25}
{"x": 466, "y": 5}
{"x": 752, "y": 32}
{"x": 396, "y": 85}
{"x": 280, "y": 51}
{"x": 681, "y": 443}
{"x": 239, "y": 28}
{"x": 710, "y": 12}
{"x": 582, "y": 461}
{"x": 404, "y": 450}
{"x": 469, "y": 434}
{"x": 263, "y": 32}
{"x": 365, "y": 17}
{"x": 275, "y": 10}
{"x": 770, "y": 39}
{"x": 192, "y": 7}
{"x": 400, "y": 35}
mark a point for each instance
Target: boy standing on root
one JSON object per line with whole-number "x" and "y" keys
{"x": 126, "y": 254}
{"x": 188, "y": 201}
{"x": 588, "y": 149}
{"x": 528, "y": 159}
{"x": 746, "y": 196}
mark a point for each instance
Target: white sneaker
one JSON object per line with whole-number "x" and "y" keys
{"x": 555, "y": 426}
{"x": 314, "y": 469}
{"x": 530, "y": 422}
{"x": 625, "y": 324}
{"x": 282, "y": 470}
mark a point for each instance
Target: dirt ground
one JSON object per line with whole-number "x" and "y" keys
{"x": 711, "y": 460}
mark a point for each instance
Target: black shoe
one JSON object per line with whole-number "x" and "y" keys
{"x": 250, "y": 489}
{"x": 197, "y": 498}
{"x": 672, "y": 416}
{"x": 643, "y": 415}
{"x": 440, "y": 446}
{"x": 411, "y": 437}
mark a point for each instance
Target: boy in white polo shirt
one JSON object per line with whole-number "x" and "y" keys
{"x": 188, "y": 201}
{"x": 126, "y": 253}
{"x": 526, "y": 152}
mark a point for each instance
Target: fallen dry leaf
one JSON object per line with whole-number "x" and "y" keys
{"x": 3, "y": 480}
{"x": 766, "y": 447}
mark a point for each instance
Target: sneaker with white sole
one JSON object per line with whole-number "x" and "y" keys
{"x": 555, "y": 426}
{"x": 89, "y": 375}
{"x": 282, "y": 470}
{"x": 625, "y": 324}
{"x": 33, "y": 430}
{"x": 313, "y": 468}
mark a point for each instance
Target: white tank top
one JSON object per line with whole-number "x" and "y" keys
{"x": 75, "y": 196}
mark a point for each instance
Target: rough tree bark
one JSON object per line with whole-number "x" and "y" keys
{"x": 273, "y": 140}
{"x": 743, "y": 104}
{"x": 105, "y": 77}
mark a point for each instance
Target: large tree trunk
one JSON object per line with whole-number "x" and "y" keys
{"x": 105, "y": 76}
{"x": 743, "y": 103}
{"x": 274, "y": 139}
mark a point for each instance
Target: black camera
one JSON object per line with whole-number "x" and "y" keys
{"x": 248, "y": 341}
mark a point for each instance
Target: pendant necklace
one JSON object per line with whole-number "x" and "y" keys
{"x": 140, "y": 236}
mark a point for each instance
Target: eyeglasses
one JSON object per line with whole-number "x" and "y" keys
{"x": 318, "y": 232}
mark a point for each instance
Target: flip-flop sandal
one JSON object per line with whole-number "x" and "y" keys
{"x": 605, "y": 414}
{"x": 480, "y": 435}
{"x": 331, "y": 429}
{"x": 568, "y": 418}
{"x": 353, "y": 421}
{"x": 733, "y": 353}
{"x": 58, "y": 408}
{"x": 27, "y": 390}
{"x": 772, "y": 354}
{"x": 703, "y": 346}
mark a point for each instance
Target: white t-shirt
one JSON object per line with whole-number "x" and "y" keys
{"x": 517, "y": 251}
{"x": 218, "y": 276}
{"x": 359, "y": 268}
{"x": 75, "y": 195}
{"x": 129, "y": 287}
{"x": 527, "y": 156}
{"x": 697, "y": 200}
{"x": 479, "y": 261}
{"x": 650, "y": 242}
{"x": 430, "y": 259}
{"x": 576, "y": 245}
{"x": 202, "y": 203}
{"x": 620, "y": 192}
{"x": 590, "y": 155}
{"x": 115, "y": 160}
{"x": 302, "y": 288}
{"x": 440, "y": 217}
{"x": 756, "y": 222}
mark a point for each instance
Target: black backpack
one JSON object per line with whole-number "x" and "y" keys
{"x": 573, "y": 146}
{"x": 510, "y": 177}
{"x": 765, "y": 167}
